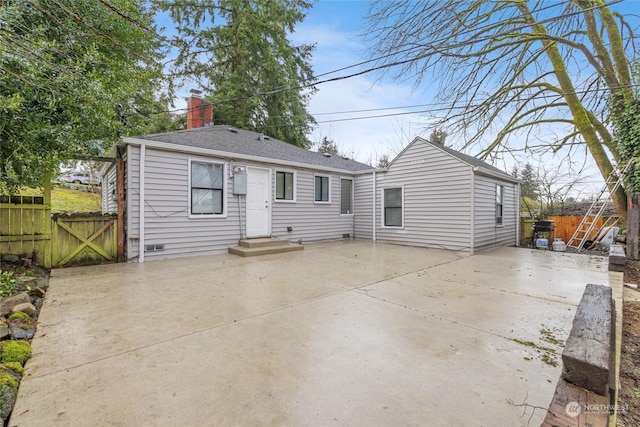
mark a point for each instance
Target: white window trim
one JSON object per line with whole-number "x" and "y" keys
{"x": 295, "y": 186}
{"x": 224, "y": 188}
{"x": 314, "y": 189}
{"x": 391, "y": 227}
{"x": 348, "y": 178}
{"x": 501, "y": 225}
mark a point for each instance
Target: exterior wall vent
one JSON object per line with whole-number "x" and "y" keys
{"x": 154, "y": 248}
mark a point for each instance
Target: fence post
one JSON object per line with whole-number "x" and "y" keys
{"x": 48, "y": 244}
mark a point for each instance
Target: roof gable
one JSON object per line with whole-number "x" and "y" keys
{"x": 475, "y": 163}
{"x": 225, "y": 139}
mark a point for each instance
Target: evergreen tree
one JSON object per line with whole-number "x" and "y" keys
{"x": 438, "y": 136}
{"x": 529, "y": 187}
{"x": 328, "y": 146}
{"x": 252, "y": 70}
{"x": 383, "y": 162}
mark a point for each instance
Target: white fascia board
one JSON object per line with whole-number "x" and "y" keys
{"x": 368, "y": 171}
{"x": 235, "y": 156}
{"x": 492, "y": 174}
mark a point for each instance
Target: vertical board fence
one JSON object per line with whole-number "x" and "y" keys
{"x": 565, "y": 226}
{"x": 25, "y": 227}
{"x": 28, "y": 229}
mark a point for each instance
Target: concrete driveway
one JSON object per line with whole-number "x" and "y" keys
{"x": 345, "y": 334}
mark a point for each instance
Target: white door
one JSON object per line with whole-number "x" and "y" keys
{"x": 258, "y": 202}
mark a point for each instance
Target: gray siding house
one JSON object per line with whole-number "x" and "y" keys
{"x": 200, "y": 191}
{"x": 433, "y": 196}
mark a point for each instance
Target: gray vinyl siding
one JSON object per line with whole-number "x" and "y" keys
{"x": 311, "y": 221}
{"x": 363, "y": 207}
{"x": 110, "y": 190}
{"x": 487, "y": 232}
{"x": 167, "y": 209}
{"x": 437, "y": 200}
{"x": 132, "y": 190}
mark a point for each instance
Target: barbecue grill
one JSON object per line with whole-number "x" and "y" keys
{"x": 544, "y": 226}
{"x": 543, "y": 233}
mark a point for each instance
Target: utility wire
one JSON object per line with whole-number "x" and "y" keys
{"x": 465, "y": 43}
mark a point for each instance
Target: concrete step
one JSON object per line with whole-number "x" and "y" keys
{"x": 265, "y": 250}
{"x": 263, "y": 242}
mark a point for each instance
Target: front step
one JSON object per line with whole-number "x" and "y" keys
{"x": 260, "y": 243}
{"x": 266, "y": 246}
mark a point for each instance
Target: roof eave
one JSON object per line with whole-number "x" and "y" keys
{"x": 229, "y": 155}
{"x": 492, "y": 174}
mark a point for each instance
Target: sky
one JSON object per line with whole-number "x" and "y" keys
{"x": 335, "y": 27}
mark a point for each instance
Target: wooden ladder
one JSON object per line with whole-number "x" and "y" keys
{"x": 585, "y": 230}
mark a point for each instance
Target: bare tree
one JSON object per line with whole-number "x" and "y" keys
{"x": 516, "y": 68}
{"x": 554, "y": 184}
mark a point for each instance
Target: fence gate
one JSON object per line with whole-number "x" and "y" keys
{"x": 84, "y": 240}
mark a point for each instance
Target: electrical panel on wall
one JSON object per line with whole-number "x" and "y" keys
{"x": 240, "y": 183}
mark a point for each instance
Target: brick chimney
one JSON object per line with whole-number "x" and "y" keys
{"x": 199, "y": 111}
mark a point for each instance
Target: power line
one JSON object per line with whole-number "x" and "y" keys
{"x": 443, "y": 39}
{"x": 437, "y": 107}
{"x": 465, "y": 43}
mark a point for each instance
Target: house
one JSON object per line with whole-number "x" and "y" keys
{"x": 201, "y": 190}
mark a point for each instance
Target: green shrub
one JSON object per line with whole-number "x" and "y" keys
{"x": 7, "y": 283}
{"x": 15, "y": 351}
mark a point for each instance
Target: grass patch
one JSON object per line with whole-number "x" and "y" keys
{"x": 70, "y": 200}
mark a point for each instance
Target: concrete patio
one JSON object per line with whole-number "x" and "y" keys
{"x": 347, "y": 333}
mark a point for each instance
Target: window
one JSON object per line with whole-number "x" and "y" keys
{"x": 207, "y": 184}
{"x": 393, "y": 207}
{"x": 499, "y": 203}
{"x": 346, "y": 196}
{"x": 322, "y": 189}
{"x": 285, "y": 186}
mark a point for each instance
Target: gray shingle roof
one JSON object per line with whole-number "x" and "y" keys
{"x": 244, "y": 142}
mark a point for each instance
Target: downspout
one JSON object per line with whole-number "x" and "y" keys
{"x": 373, "y": 217}
{"x": 120, "y": 201}
{"x": 141, "y": 221}
{"x": 473, "y": 213}
{"x": 517, "y": 203}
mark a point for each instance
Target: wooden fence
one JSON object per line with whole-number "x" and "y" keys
{"x": 25, "y": 227}
{"x": 83, "y": 239}
{"x": 28, "y": 229}
{"x": 565, "y": 226}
